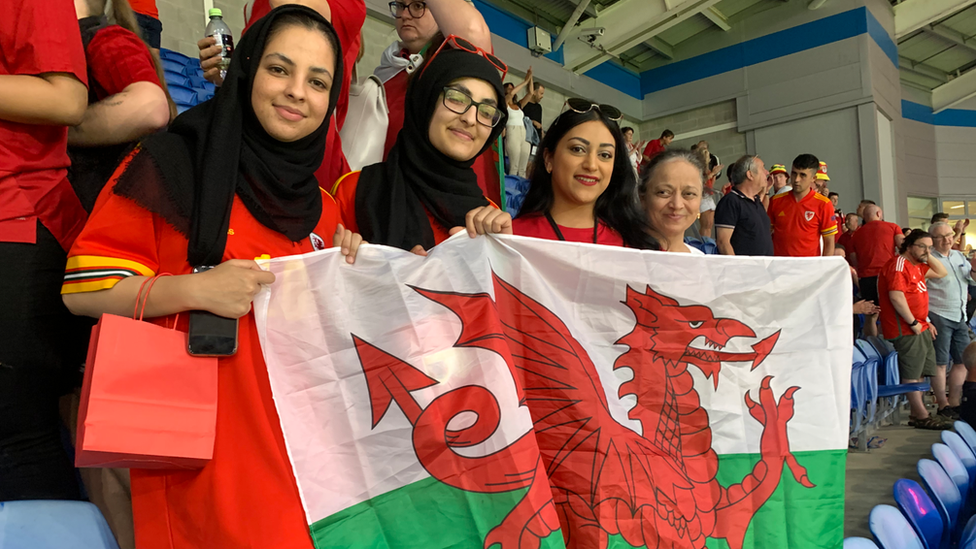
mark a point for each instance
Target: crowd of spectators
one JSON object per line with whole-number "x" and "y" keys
{"x": 102, "y": 187}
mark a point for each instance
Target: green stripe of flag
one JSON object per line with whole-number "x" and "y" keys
{"x": 429, "y": 514}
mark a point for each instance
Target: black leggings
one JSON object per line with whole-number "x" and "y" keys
{"x": 41, "y": 351}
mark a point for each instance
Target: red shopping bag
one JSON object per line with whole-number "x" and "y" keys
{"x": 146, "y": 403}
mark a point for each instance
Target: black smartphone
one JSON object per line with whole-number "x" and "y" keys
{"x": 210, "y": 334}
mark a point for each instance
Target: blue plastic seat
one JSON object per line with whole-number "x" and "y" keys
{"x": 921, "y": 512}
{"x": 881, "y": 345}
{"x": 968, "y": 533}
{"x": 867, "y": 349}
{"x": 943, "y": 490}
{"x": 963, "y": 452}
{"x": 176, "y": 78}
{"x": 858, "y": 356}
{"x": 184, "y": 96}
{"x": 953, "y": 466}
{"x": 857, "y": 397}
{"x": 891, "y": 529}
{"x": 967, "y": 432}
{"x": 859, "y": 543}
{"x": 870, "y": 373}
{"x": 893, "y": 385}
{"x": 47, "y": 524}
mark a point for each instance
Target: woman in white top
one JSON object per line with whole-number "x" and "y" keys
{"x": 633, "y": 149}
{"x": 516, "y": 147}
{"x": 671, "y": 192}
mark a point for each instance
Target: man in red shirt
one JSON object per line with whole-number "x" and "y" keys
{"x": 904, "y": 317}
{"x": 851, "y": 223}
{"x": 42, "y": 92}
{"x": 802, "y": 218}
{"x": 872, "y": 246}
{"x": 657, "y": 146}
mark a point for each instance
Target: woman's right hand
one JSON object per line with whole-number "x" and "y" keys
{"x": 228, "y": 289}
{"x": 210, "y": 59}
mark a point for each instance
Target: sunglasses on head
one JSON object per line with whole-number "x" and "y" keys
{"x": 583, "y": 106}
{"x": 459, "y": 43}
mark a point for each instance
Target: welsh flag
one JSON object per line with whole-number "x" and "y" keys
{"x": 514, "y": 393}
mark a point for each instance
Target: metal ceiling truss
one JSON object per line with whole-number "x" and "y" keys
{"x": 912, "y": 15}
{"x": 629, "y": 22}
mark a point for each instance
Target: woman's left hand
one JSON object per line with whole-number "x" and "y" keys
{"x": 348, "y": 241}
{"x": 485, "y": 220}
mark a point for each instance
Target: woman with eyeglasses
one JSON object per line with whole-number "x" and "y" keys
{"x": 422, "y": 193}
{"x": 585, "y": 189}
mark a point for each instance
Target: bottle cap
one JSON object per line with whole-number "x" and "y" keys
{"x": 215, "y": 12}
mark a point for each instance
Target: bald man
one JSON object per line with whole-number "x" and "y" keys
{"x": 872, "y": 246}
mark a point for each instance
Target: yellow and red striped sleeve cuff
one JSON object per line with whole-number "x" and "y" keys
{"x": 89, "y": 273}
{"x": 829, "y": 231}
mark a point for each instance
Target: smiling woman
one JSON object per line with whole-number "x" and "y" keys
{"x": 585, "y": 188}
{"x": 231, "y": 180}
{"x": 427, "y": 187}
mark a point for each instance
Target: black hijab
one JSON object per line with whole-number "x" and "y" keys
{"x": 391, "y": 196}
{"x": 219, "y": 148}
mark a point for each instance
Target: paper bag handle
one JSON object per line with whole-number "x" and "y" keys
{"x": 145, "y": 298}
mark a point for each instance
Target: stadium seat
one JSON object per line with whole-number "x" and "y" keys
{"x": 968, "y": 533}
{"x": 893, "y": 385}
{"x": 891, "y": 529}
{"x": 943, "y": 490}
{"x": 953, "y": 467}
{"x": 857, "y": 397}
{"x": 883, "y": 346}
{"x": 967, "y": 433}
{"x": 858, "y": 356}
{"x": 183, "y": 95}
{"x": 963, "y": 452}
{"x": 859, "y": 543}
{"x": 176, "y": 78}
{"x": 47, "y": 524}
{"x": 920, "y": 511}
{"x": 867, "y": 349}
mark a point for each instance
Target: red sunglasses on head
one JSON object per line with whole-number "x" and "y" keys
{"x": 459, "y": 43}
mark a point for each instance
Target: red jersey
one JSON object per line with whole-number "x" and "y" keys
{"x": 117, "y": 58}
{"x": 654, "y": 148}
{"x": 874, "y": 244}
{"x": 846, "y": 240}
{"x": 246, "y": 496}
{"x": 344, "y": 192}
{"x": 348, "y": 17}
{"x": 38, "y": 38}
{"x": 537, "y": 226}
{"x": 901, "y": 275}
{"x": 798, "y": 226}
{"x": 145, "y": 7}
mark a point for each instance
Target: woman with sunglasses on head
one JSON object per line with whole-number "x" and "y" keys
{"x": 671, "y": 192}
{"x": 426, "y": 187}
{"x": 233, "y": 179}
{"x": 584, "y": 189}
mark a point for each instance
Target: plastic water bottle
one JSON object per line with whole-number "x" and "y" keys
{"x": 221, "y": 32}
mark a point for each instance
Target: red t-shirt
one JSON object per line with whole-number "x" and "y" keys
{"x": 798, "y": 226}
{"x": 874, "y": 244}
{"x": 117, "y": 58}
{"x": 348, "y": 17}
{"x": 654, "y": 148}
{"x": 246, "y": 496}
{"x": 846, "y": 240}
{"x": 145, "y": 7}
{"x": 36, "y": 38}
{"x": 900, "y": 274}
{"x": 537, "y": 226}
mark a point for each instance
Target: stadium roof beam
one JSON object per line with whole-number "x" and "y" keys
{"x": 954, "y": 92}
{"x": 912, "y": 15}
{"x": 625, "y": 25}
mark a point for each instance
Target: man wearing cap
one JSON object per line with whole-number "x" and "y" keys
{"x": 823, "y": 180}
{"x": 780, "y": 179}
{"x": 802, "y": 218}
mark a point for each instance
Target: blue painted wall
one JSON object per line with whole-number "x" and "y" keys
{"x": 803, "y": 37}
{"x": 949, "y": 117}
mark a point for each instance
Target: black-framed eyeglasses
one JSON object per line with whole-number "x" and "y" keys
{"x": 583, "y": 106}
{"x": 459, "y": 102}
{"x": 416, "y": 9}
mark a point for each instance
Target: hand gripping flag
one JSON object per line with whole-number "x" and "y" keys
{"x": 518, "y": 393}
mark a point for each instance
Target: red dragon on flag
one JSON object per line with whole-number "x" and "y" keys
{"x": 584, "y": 471}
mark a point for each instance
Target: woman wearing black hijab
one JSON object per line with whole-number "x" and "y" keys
{"x": 426, "y": 188}
{"x": 232, "y": 180}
